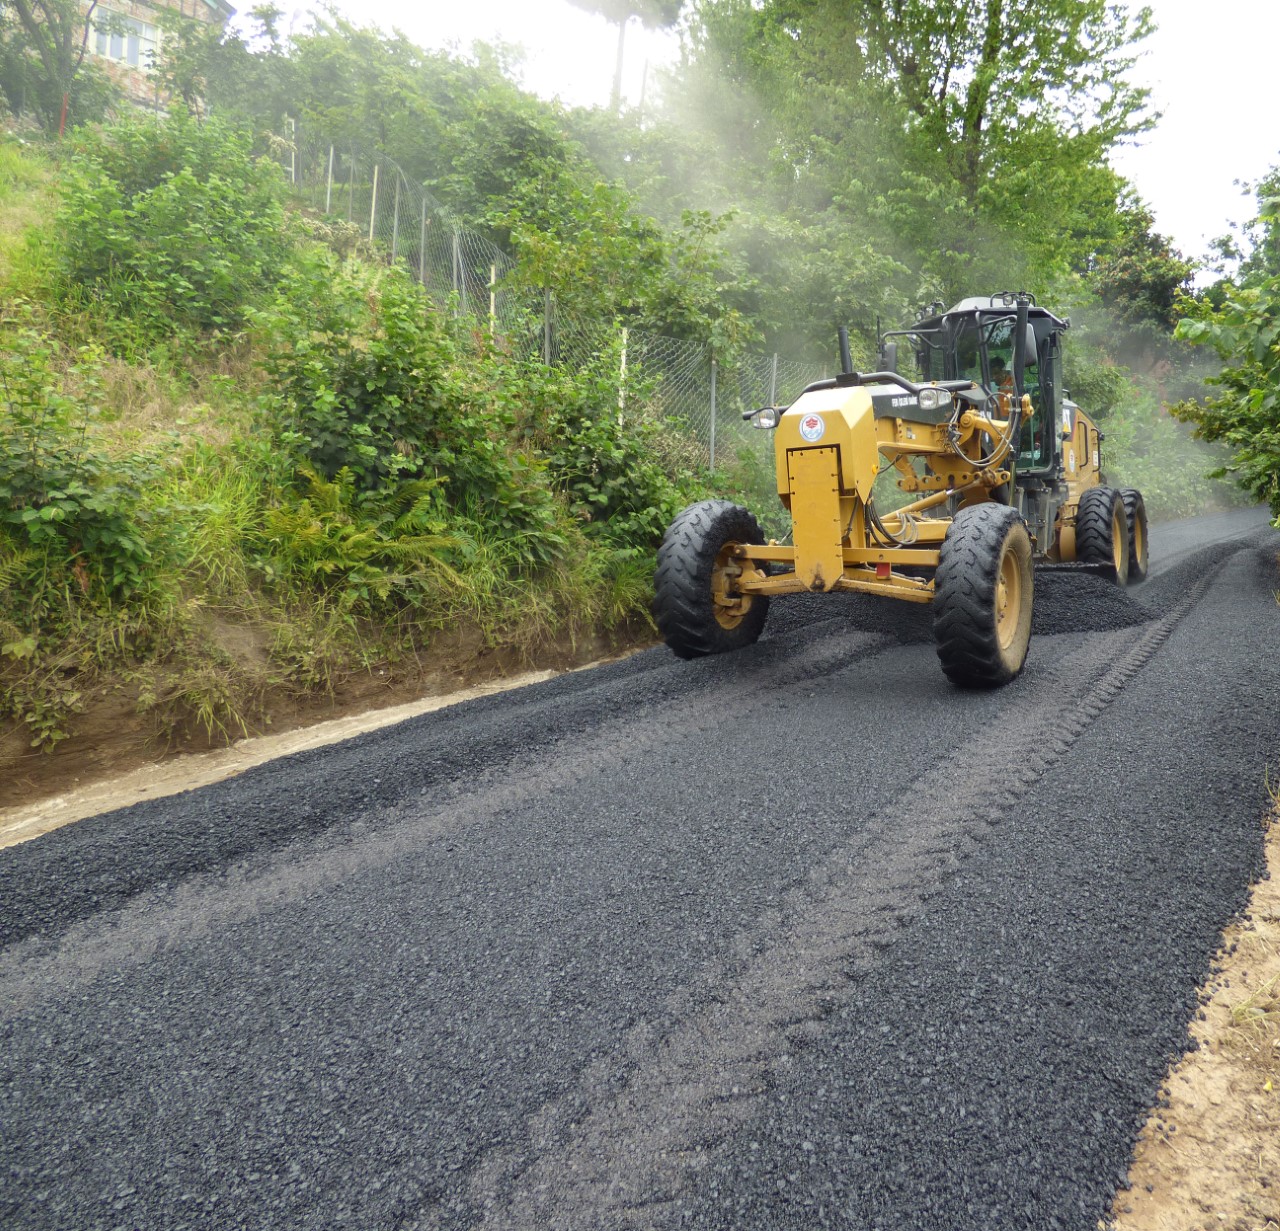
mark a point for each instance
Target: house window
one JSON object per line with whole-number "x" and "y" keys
{"x": 125, "y": 39}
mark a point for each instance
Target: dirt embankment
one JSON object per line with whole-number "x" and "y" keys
{"x": 121, "y": 751}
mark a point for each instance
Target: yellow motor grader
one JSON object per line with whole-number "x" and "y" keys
{"x": 998, "y": 468}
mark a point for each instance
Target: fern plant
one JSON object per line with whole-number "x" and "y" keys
{"x": 374, "y": 544}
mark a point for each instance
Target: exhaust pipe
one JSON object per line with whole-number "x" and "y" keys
{"x": 846, "y": 356}
{"x": 1020, "y": 347}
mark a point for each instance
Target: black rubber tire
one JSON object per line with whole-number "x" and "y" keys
{"x": 684, "y": 603}
{"x": 1102, "y": 531}
{"x": 1135, "y": 512}
{"x": 983, "y": 592}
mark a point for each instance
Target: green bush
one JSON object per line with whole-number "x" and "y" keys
{"x": 366, "y": 381}
{"x": 600, "y": 454}
{"x": 61, "y": 495}
{"x": 1147, "y": 449}
{"x": 172, "y": 225}
{"x": 358, "y": 363}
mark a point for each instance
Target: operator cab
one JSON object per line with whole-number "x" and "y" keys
{"x": 975, "y": 341}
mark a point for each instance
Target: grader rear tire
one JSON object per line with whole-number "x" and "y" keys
{"x": 695, "y": 604}
{"x": 983, "y": 592}
{"x": 1102, "y": 531}
{"x": 1135, "y": 512}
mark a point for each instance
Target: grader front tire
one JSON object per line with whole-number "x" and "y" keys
{"x": 697, "y": 608}
{"x": 983, "y": 592}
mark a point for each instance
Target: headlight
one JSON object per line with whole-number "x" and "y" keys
{"x": 931, "y": 398}
{"x": 766, "y": 417}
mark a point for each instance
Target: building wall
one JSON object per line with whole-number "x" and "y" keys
{"x": 127, "y": 55}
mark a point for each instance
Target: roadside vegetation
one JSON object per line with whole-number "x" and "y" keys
{"x": 242, "y": 457}
{"x": 233, "y": 461}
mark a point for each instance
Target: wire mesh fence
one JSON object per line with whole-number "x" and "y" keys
{"x": 677, "y": 381}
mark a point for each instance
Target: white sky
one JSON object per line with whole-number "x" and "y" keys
{"x": 1211, "y": 67}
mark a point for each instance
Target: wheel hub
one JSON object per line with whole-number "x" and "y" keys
{"x": 1008, "y": 600}
{"x": 730, "y": 604}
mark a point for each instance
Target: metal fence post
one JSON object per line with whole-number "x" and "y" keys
{"x": 395, "y": 222}
{"x": 328, "y": 187}
{"x": 713, "y": 415}
{"x": 373, "y": 203}
{"x": 456, "y": 266}
{"x": 622, "y": 376}
{"x": 493, "y": 300}
{"x": 773, "y": 381}
{"x": 546, "y": 327}
{"x": 422, "y": 246}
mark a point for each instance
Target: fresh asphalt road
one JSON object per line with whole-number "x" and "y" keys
{"x": 798, "y": 937}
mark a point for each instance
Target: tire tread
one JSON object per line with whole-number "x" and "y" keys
{"x": 965, "y": 589}
{"x": 1135, "y": 512}
{"x": 683, "y": 606}
{"x": 1094, "y": 521}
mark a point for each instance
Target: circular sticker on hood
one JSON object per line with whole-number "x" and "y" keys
{"x": 812, "y": 427}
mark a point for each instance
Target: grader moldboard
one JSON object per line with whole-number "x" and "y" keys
{"x": 1001, "y": 472}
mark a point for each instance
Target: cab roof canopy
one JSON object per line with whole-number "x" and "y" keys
{"x": 1003, "y": 303}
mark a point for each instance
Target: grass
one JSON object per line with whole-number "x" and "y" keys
{"x": 26, "y": 196}
{"x": 1260, "y": 1011}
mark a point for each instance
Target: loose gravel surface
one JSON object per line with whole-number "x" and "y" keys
{"x": 798, "y": 937}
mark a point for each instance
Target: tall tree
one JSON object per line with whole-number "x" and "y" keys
{"x": 1141, "y": 279}
{"x": 43, "y": 44}
{"x": 652, "y": 14}
{"x": 962, "y": 141}
{"x": 245, "y": 72}
{"x": 976, "y": 72}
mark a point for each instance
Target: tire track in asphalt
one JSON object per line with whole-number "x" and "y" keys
{"x": 625, "y": 1164}
{"x": 38, "y": 968}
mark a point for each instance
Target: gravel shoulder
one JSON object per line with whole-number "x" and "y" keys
{"x": 1209, "y": 1154}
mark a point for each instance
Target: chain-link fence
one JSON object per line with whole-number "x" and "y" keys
{"x": 676, "y": 380}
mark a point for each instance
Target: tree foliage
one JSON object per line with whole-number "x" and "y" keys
{"x": 245, "y": 73}
{"x": 1254, "y": 249}
{"x": 1244, "y": 410}
{"x": 650, "y": 13}
{"x": 1141, "y": 279}
{"x": 859, "y": 159}
{"x": 43, "y": 45}
{"x": 924, "y": 148}
{"x": 986, "y": 80}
